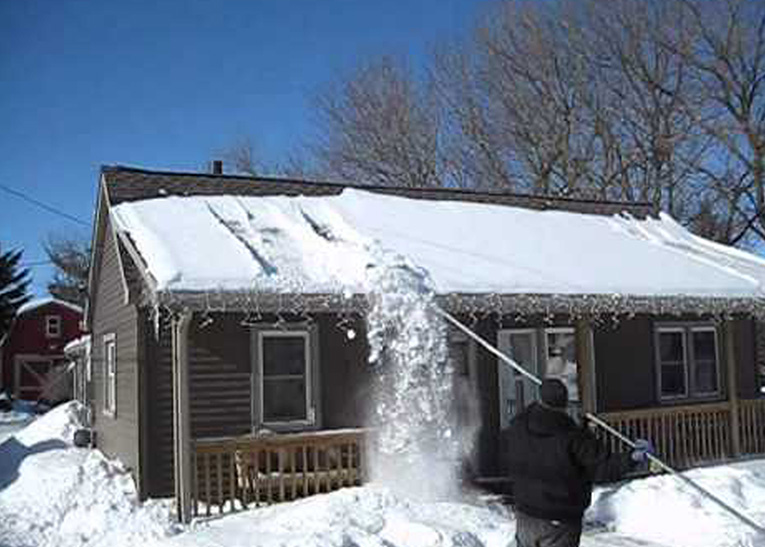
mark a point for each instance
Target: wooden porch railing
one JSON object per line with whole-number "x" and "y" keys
{"x": 250, "y": 471}
{"x": 752, "y": 425}
{"x": 689, "y": 435}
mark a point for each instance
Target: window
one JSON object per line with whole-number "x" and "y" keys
{"x": 285, "y": 378}
{"x": 561, "y": 360}
{"x": 52, "y": 326}
{"x": 546, "y": 353}
{"x": 110, "y": 375}
{"x": 515, "y": 390}
{"x": 688, "y": 366}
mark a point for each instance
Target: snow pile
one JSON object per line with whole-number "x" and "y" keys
{"x": 20, "y": 414}
{"x": 59, "y": 424}
{"x": 357, "y": 517}
{"x": 287, "y": 244}
{"x": 661, "y": 509}
{"x": 53, "y": 494}
{"x": 412, "y": 409}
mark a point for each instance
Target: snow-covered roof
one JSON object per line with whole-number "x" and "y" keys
{"x": 78, "y": 345}
{"x": 40, "y": 302}
{"x": 320, "y": 245}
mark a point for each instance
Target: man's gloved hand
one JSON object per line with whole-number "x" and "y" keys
{"x": 642, "y": 449}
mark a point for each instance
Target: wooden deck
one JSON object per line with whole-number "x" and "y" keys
{"x": 685, "y": 436}
{"x": 250, "y": 471}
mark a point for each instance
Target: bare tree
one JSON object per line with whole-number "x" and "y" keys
{"x": 728, "y": 58}
{"x": 380, "y": 126}
{"x": 658, "y": 101}
{"x": 71, "y": 259}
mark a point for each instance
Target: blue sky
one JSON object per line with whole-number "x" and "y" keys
{"x": 169, "y": 84}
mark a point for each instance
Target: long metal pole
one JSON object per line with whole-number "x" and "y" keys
{"x": 600, "y": 423}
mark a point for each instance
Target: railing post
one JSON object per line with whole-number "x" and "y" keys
{"x": 732, "y": 370}
{"x": 181, "y": 416}
{"x": 585, "y": 360}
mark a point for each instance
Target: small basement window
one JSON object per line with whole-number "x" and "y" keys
{"x": 52, "y": 326}
{"x": 687, "y": 361}
{"x": 110, "y": 375}
{"x": 285, "y": 371}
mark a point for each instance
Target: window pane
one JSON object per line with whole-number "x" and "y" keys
{"x": 283, "y": 355}
{"x": 672, "y": 380}
{"x": 283, "y": 400}
{"x": 561, "y": 361}
{"x": 705, "y": 376}
{"x": 704, "y": 346}
{"x": 671, "y": 347}
{"x": 521, "y": 350}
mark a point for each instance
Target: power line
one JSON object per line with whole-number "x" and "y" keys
{"x": 36, "y": 263}
{"x": 43, "y": 205}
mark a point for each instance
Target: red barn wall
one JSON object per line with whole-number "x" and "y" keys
{"x": 28, "y": 337}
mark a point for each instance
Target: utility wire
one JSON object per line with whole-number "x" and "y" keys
{"x": 43, "y": 205}
{"x": 36, "y": 263}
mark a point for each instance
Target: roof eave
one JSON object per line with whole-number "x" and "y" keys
{"x": 574, "y": 305}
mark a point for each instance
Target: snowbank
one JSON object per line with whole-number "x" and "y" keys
{"x": 365, "y": 517}
{"x": 662, "y": 510}
{"x": 20, "y": 414}
{"x": 54, "y": 494}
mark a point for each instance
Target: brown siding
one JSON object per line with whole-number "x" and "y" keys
{"x": 159, "y": 407}
{"x": 487, "y": 383}
{"x": 624, "y": 365}
{"x": 219, "y": 355}
{"x": 746, "y": 358}
{"x": 345, "y": 374}
{"x": 118, "y": 436}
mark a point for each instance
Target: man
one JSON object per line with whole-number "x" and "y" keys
{"x": 553, "y": 462}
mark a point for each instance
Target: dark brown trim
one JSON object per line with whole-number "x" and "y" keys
{"x": 131, "y": 184}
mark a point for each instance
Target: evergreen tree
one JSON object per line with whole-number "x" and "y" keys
{"x": 14, "y": 282}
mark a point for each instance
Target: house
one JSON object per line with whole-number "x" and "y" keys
{"x": 33, "y": 349}
{"x": 228, "y": 337}
{"x": 78, "y": 354}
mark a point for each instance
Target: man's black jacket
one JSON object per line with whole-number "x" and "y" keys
{"x": 553, "y": 462}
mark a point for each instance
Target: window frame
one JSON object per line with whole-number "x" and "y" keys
{"x": 51, "y": 320}
{"x": 519, "y": 382}
{"x": 109, "y": 406}
{"x": 311, "y": 369}
{"x": 687, "y": 329}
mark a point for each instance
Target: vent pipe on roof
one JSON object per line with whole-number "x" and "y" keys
{"x": 217, "y": 167}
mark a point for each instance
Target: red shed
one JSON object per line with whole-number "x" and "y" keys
{"x": 35, "y": 345}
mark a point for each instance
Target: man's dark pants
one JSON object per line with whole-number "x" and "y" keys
{"x": 534, "y": 532}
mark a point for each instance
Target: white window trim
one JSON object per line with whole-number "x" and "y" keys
{"x": 689, "y": 361}
{"x": 311, "y": 418}
{"x": 109, "y": 380}
{"x": 49, "y": 320}
{"x": 503, "y": 343}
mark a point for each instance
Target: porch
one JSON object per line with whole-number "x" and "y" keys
{"x": 249, "y": 471}
{"x": 686, "y": 436}
{"x": 236, "y": 473}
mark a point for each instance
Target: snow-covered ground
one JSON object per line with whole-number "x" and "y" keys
{"x": 53, "y": 494}
{"x": 16, "y": 419}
